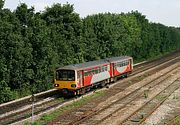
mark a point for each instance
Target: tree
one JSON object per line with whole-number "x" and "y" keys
{"x": 5, "y": 92}
{"x": 1, "y": 4}
{"x": 65, "y": 31}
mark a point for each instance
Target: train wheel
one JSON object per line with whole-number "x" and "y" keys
{"x": 78, "y": 92}
{"x": 107, "y": 86}
{"x": 75, "y": 93}
{"x": 115, "y": 79}
{"x": 82, "y": 91}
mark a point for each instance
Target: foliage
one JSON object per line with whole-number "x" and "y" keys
{"x": 33, "y": 43}
{"x": 1, "y": 4}
{"x": 5, "y": 92}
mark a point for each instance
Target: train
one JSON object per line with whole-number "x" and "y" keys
{"x": 77, "y": 79}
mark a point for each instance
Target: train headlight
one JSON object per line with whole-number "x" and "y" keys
{"x": 56, "y": 85}
{"x": 73, "y": 85}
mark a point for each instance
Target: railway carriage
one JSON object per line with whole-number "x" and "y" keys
{"x": 120, "y": 66}
{"x": 79, "y": 78}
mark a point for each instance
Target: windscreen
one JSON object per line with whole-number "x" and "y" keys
{"x": 65, "y": 75}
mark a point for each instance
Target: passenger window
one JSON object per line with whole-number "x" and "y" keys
{"x": 108, "y": 68}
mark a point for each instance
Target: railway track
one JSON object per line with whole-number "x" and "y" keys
{"x": 141, "y": 114}
{"x": 87, "y": 110}
{"x": 16, "y": 104}
{"x": 10, "y": 114}
{"x": 174, "y": 121}
{"x": 168, "y": 113}
{"x": 122, "y": 100}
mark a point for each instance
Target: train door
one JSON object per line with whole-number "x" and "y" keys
{"x": 114, "y": 69}
{"x": 80, "y": 78}
{"x": 131, "y": 63}
{"x": 114, "y": 72}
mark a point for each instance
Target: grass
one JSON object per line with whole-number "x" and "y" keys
{"x": 54, "y": 114}
{"x": 176, "y": 97}
{"x": 161, "y": 97}
{"x": 140, "y": 78}
{"x": 177, "y": 121}
{"x": 146, "y": 93}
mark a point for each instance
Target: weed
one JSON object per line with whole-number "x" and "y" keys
{"x": 53, "y": 115}
{"x": 146, "y": 93}
{"x": 160, "y": 97}
{"x": 177, "y": 121}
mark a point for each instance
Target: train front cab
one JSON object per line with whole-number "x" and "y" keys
{"x": 65, "y": 81}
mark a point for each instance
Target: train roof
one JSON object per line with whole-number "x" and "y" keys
{"x": 94, "y": 63}
{"x": 117, "y": 59}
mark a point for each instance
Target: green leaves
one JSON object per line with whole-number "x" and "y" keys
{"x": 5, "y": 92}
{"x": 1, "y": 4}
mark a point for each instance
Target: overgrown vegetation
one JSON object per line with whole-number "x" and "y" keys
{"x": 177, "y": 121}
{"x": 33, "y": 43}
{"x": 53, "y": 115}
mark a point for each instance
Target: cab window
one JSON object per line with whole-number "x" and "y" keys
{"x": 65, "y": 75}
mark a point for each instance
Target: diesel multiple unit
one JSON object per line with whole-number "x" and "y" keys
{"x": 79, "y": 78}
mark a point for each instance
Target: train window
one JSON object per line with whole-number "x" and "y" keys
{"x": 102, "y": 69}
{"x": 108, "y": 68}
{"x": 85, "y": 73}
{"x": 99, "y": 69}
{"x": 65, "y": 75}
{"x": 89, "y": 72}
{"x": 78, "y": 75}
{"x": 105, "y": 68}
{"x": 120, "y": 64}
{"x": 57, "y": 75}
{"x": 94, "y": 71}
